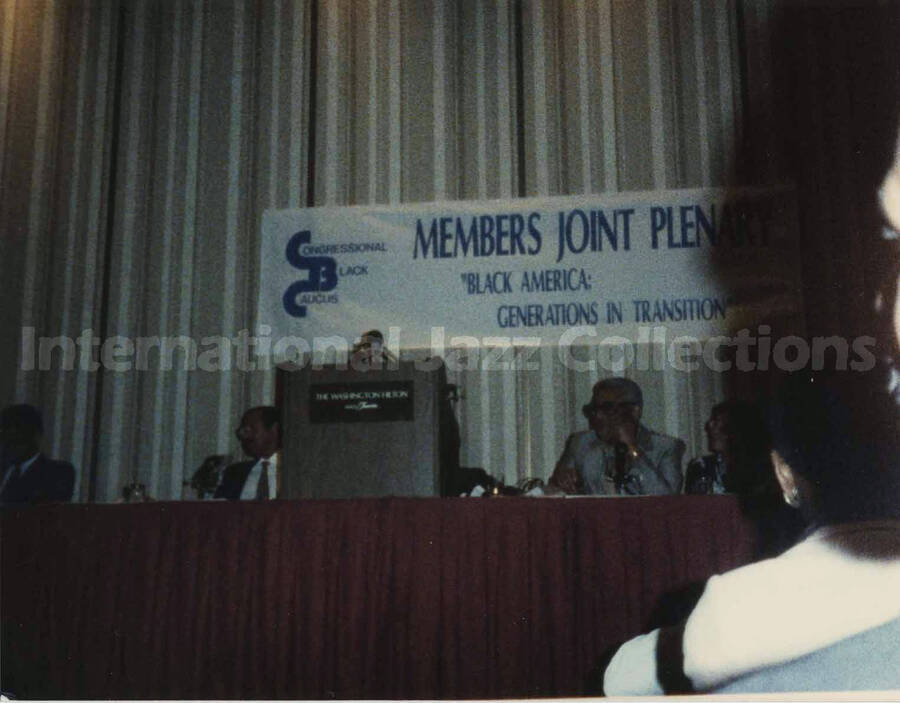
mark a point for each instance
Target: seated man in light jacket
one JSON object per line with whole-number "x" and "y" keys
{"x": 618, "y": 455}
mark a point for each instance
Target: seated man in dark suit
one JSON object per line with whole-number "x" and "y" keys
{"x": 618, "y": 455}
{"x": 28, "y": 476}
{"x": 256, "y": 479}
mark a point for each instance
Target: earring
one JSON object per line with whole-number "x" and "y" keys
{"x": 792, "y": 497}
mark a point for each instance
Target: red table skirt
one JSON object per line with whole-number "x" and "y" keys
{"x": 379, "y": 598}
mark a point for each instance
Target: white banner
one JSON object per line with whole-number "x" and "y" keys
{"x": 697, "y": 262}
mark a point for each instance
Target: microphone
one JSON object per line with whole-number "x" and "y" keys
{"x": 621, "y": 454}
{"x": 205, "y": 480}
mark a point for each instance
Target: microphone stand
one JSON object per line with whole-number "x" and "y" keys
{"x": 621, "y": 451}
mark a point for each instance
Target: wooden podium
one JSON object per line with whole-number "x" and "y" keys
{"x": 365, "y": 432}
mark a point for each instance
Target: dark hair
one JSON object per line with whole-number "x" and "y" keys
{"x": 838, "y": 432}
{"x": 269, "y": 415}
{"x": 748, "y": 445}
{"x": 22, "y": 416}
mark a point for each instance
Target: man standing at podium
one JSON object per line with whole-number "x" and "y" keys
{"x": 618, "y": 455}
{"x": 257, "y": 478}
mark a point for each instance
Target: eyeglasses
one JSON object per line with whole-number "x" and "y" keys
{"x": 606, "y": 407}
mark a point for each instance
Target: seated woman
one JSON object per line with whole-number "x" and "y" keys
{"x": 739, "y": 452}
{"x": 739, "y": 463}
{"x": 825, "y": 614}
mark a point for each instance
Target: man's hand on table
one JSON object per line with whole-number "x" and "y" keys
{"x": 566, "y": 478}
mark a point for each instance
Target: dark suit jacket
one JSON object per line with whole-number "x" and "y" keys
{"x": 45, "y": 481}
{"x": 233, "y": 479}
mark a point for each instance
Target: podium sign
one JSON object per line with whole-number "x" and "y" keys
{"x": 387, "y": 401}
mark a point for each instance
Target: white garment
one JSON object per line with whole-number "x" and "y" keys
{"x": 839, "y": 582}
{"x": 890, "y": 191}
{"x": 249, "y": 490}
{"x": 632, "y": 671}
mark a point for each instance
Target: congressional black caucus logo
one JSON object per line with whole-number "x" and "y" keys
{"x": 322, "y": 269}
{"x": 321, "y": 277}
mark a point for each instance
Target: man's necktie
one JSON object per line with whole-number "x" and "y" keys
{"x": 262, "y": 487}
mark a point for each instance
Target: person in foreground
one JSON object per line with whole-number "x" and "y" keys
{"x": 618, "y": 455}
{"x": 30, "y": 477}
{"x": 825, "y": 614}
{"x": 888, "y": 298}
{"x": 256, "y": 479}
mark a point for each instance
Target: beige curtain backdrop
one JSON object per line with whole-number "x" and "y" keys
{"x": 140, "y": 142}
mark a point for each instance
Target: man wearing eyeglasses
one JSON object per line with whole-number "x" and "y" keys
{"x": 618, "y": 455}
{"x": 256, "y": 479}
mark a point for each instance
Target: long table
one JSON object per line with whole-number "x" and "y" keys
{"x": 375, "y": 598}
